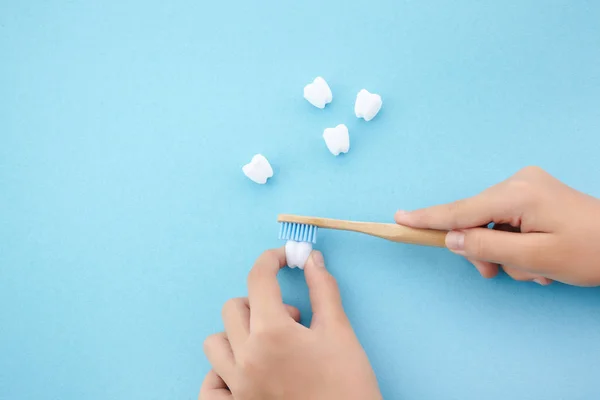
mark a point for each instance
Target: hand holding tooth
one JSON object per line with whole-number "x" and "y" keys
{"x": 264, "y": 353}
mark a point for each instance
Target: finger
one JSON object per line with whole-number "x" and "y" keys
{"x": 520, "y": 275}
{"x": 218, "y": 351}
{"x": 486, "y": 269}
{"x": 236, "y": 318}
{"x": 543, "y": 281}
{"x": 520, "y": 250}
{"x": 517, "y": 274}
{"x": 467, "y": 213}
{"x": 293, "y": 312}
{"x": 264, "y": 293}
{"x": 323, "y": 291}
{"x": 492, "y": 205}
{"x": 214, "y": 388}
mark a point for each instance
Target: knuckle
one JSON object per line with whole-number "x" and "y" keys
{"x": 524, "y": 191}
{"x": 330, "y": 282}
{"x": 454, "y": 206}
{"x": 272, "y": 335}
{"x": 270, "y": 254}
{"x": 209, "y": 342}
{"x": 266, "y": 258}
{"x": 454, "y": 210}
{"x": 254, "y": 275}
{"x": 532, "y": 170}
{"x": 231, "y": 306}
{"x": 228, "y": 307}
{"x": 519, "y": 186}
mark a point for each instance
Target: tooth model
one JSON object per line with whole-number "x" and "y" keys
{"x": 318, "y": 93}
{"x": 367, "y": 105}
{"x": 297, "y": 253}
{"x": 337, "y": 139}
{"x": 258, "y": 170}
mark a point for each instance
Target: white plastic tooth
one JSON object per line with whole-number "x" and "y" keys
{"x": 367, "y": 105}
{"x": 297, "y": 253}
{"x": 318, "y": 93}
{"x": 337, "y": 139}
{"x": 258, "y": 169}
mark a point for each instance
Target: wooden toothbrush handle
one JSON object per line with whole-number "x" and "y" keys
{"x": 404, "y": 234}
{"x": 393, "y": 232}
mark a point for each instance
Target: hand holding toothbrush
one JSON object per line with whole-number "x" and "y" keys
{"x": 543, "y": 229}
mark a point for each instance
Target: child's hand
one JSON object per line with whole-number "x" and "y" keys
{"x": 559, "y": 229}
{"x": 266, "y": 354}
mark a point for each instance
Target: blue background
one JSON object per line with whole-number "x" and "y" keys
{"x": 125, "y": 220}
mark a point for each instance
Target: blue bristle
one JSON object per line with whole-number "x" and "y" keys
{"x": 298, "y": 232}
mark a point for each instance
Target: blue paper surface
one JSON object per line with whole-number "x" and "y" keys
{"x": 126, "y": 222}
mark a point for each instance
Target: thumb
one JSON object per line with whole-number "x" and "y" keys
{"x": 323, "y": 290}
{"x": 521, "y": 250}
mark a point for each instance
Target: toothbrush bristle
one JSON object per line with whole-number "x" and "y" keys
{"x": 298, "y": 232}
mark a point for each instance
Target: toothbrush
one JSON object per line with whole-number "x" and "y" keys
{"x": 304, "y": 229}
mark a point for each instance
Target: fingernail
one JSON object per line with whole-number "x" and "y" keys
{"x": 540, "y": 281}
{"x": 317, "y": 259}
{"x": 455, "y": 240}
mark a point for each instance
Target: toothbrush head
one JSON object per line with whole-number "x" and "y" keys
{"x": 298, "y": 232}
